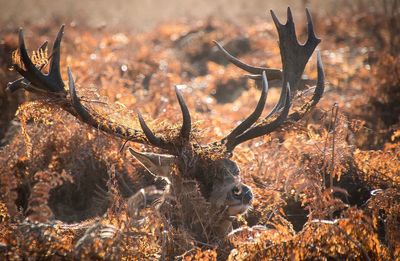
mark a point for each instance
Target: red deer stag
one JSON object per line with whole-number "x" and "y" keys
{"x": 217, "y": 177}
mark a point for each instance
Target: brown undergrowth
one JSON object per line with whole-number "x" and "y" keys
{"x": 327, "y": 187}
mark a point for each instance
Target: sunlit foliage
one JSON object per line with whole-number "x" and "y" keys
{"x": 327, "y": 187}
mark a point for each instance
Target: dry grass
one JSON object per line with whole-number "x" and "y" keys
{"x": 327, "y": 188}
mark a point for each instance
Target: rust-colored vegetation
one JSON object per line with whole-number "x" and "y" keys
{"x": 327, "y": 187}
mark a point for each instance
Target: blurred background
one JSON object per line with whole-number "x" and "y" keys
{"x": 145, "y": 14}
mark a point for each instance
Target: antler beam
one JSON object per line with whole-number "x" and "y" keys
{"x": 51, "y": 85}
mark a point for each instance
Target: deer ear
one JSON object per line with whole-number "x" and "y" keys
{"x": 156, "y": 164}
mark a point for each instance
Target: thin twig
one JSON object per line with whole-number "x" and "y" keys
{"x": 335, "y": 111}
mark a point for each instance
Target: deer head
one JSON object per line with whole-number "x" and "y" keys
{"x": 210, "y": 165}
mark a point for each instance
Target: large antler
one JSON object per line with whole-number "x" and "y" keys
{"x": 294, "y": 59}
{"x": 51, "y": 86}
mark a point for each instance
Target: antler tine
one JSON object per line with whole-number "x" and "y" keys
{"x": 279, "y": 105}
{"x": 44, "y": 45}
{"x": 260, "y": 129}
{"x": 75, "y": 101}
{"x": 31, "y": 71}
{"x": 253, "y": 117}
{"x": 310, "y": 28}
{"x": 48, "y": 83}
{"x": 151, "y": 137}
{"x": 294, "y": 55}
{"x": 272, "y": 74}
{"x": 54, "y": 70}
{"x": 318, "y": 92}
{"x": 186, "y": 122}
{"x": 319, "y": 89}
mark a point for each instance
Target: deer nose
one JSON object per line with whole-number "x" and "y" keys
{"x": 247, "y": 195}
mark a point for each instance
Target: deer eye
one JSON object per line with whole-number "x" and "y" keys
{"x": 237, "y": 191}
